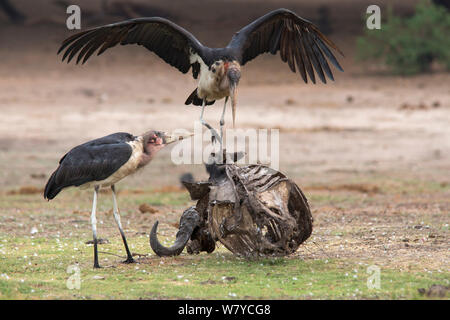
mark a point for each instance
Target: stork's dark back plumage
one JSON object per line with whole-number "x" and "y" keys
{"x": 95, "y": 160}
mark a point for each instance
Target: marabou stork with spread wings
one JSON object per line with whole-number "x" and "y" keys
{"x": 218, "y": 70}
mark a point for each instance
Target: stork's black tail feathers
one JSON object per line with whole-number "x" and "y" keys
{"x": 51, "y": 188}
{"x": 195, "y": 100}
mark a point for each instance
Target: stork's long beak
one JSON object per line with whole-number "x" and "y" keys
{"x": 169, "y": 138}
{"x": 233, "y": 93}
{"x": 233, "y": 76}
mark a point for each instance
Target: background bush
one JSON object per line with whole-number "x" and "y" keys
{"x": 408, "y": 45}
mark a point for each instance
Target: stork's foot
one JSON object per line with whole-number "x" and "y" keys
{"x": 129, "y": 260}
{"x": 96, "y": 265}
{"x": 214, "y": 135}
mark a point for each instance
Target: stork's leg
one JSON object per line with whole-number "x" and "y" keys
{"x": 94, "y": 227}
{"x": 214, "y": 134}
{"x": 119, "y": 224}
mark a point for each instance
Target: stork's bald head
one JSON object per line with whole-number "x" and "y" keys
{"x": 228, "y": 74}
{"x": 154, "y": 141}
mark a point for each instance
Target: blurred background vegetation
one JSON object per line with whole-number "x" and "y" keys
{"x": 410, "y": 45}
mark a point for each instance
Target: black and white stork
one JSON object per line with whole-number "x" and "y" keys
{"x": 102, "y": 163}
{"x": 218, "y": 70}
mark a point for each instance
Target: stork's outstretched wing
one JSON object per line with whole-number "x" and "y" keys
{"x": 172, "y": 43}
{"x": 300, "y": 43}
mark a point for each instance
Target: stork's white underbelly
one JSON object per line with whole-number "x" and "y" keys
{"x": 209, "y": 87}
{"x": 129, "y": 167}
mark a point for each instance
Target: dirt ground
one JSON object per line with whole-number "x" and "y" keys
{"x": 370, "y": 150}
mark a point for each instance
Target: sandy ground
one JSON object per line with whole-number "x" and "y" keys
{"x": 372, "y": 151}
{"x": 360, "y": 123}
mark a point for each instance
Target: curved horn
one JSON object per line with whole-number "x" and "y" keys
{"x": 188, "y": 222}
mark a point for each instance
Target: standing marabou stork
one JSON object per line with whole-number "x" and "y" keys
{"x": 299, "y": 42}
{"x": 102, "y": 163}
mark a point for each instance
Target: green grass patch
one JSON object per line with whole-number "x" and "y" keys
{"x": 33, "y": 268}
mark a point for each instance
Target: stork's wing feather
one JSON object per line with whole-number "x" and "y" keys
{"x": 299, "y": 42}
{"x": 172, "y": 43}
{"x": 95, "y": 160}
